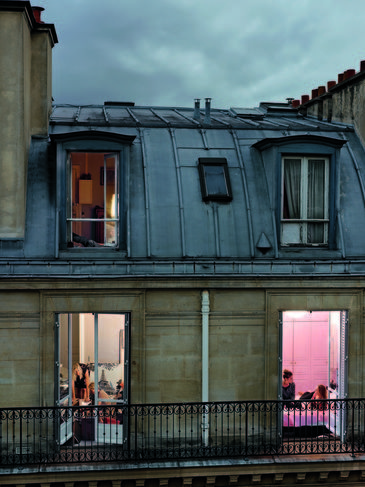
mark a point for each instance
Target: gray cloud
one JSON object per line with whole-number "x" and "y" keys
{"x": 167, "y": 52}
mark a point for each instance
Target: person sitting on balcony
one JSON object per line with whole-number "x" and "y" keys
{"x": 288, "y": 386}
{"x": 320, "y": 393}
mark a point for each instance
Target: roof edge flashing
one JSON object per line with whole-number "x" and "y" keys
{"x": 92, "y": 135}
{"x": 306, "y": 138}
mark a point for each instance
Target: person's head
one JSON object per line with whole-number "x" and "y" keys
{"x": 76, "y": 370}
{"x": 321, "y": 392}
{"x": 287, "y": 376}
{"x": 92, "y": 387}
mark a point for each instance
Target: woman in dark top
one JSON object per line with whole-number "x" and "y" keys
{"x": 288, "y": 386}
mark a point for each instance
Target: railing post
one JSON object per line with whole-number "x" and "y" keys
{"x": 205, "y": 425}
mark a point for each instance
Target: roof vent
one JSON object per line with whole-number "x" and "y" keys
{"x": 263, "y": 245}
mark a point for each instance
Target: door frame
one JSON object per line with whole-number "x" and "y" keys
{"x": 65, "y": 429}
{"x": 343, "y": 345}
{"x": 341, "y": 419}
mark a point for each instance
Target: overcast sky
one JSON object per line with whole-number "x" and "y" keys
{"x": 168, "y": 52}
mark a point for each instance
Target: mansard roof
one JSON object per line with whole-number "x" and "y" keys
{"x": 171, "y": 228}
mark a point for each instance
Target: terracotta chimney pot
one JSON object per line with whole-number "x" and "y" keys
{"x": 37, "y": 14}
{"x": 321, "y": 90}
{"x": 295, "y": 103}
{"x": 362, "y": 65}
{"x": 349, "y": 73}
{"x": 305, "y": 99}
{"x": 314, "y": 93}
{"x": 330, "y": 84}
{"x": 340, "y": 77}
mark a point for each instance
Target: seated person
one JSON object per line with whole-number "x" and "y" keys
{"x": 288, "y": 386}
{"x": 320, "y": 393}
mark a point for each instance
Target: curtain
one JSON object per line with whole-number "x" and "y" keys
{"x": 292, "y": 173}
{"x": 316, "y": 200}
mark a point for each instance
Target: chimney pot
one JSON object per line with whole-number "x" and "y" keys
{"x": 314, "y": 93}
{"x": 340, "y": 77}
{"x": 305, "y": 99}
{"x": 349, "y": 73}
{"x": 295, "y": 103}
{"x": 362, "y": 65}
{"x": 330, "y": 84}
{"x": 321, "y": 90}
{"x": 37, "y": 14}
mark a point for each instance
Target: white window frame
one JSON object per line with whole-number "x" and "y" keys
{"x": 295, "y": 231}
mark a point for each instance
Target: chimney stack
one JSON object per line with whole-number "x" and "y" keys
{"x": 25, "y": 77}
{"x": 196, "y": 115}
{"x": 207, "y": 118}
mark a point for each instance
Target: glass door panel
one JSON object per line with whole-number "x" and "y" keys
{"x": 314, "y": 349}
{"x": 92, "y": 349}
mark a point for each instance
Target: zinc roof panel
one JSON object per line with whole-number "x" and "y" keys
{"x": 92, "y": 114}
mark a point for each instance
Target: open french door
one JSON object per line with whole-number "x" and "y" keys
{"x": 313, "y": 347}
{"x": 99, "y": 343}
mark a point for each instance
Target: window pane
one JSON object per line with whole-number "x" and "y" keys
{"x": 291, "y": 190}
{"x": 64, "y": 361}
{"x": 316, "y": 233}
{"x": 316, "y": 189}
{"x": 110, "y": 187}
{"x": 83, "y": 234}
{"x": 316, "y": 200}
{"x": 215, "y": 180}
{"x": 93, "y": 199}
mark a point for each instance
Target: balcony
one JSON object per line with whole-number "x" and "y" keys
{"x": 129, "y": 434}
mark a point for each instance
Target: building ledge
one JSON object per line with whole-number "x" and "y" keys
{"x": 240, "y": 471}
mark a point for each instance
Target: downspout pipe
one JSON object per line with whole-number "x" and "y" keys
{"x": 205, "y": 308}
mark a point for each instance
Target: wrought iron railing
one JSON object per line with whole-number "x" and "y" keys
{"x": 163, "y": 432}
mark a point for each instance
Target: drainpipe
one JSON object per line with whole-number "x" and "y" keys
{"x": 205, "y": 364}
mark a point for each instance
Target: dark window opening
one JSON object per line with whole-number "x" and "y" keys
{"x": 214, "y": 179}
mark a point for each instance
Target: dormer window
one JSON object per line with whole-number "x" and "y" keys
{"x": 303, "y": 183}
{"x": 214, "y": 179}
{"x": 92, "y": 191}
{"x": 305, "y": 201}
